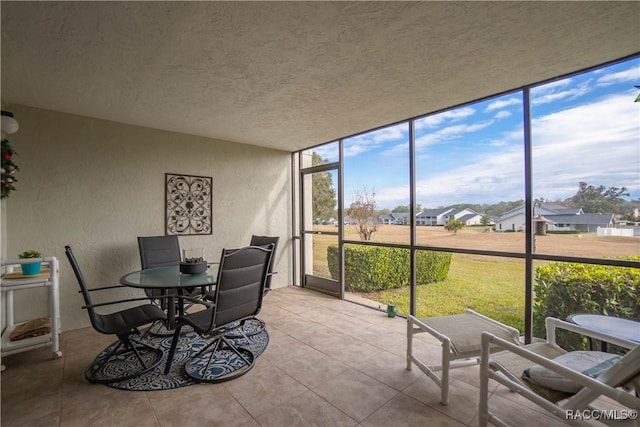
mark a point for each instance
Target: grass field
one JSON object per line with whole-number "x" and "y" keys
{"x": 489, "y": 285}
{"x": 493, "y": 286}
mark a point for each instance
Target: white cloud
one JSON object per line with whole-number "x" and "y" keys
{"x": 401, "y": 149}
{"x": 373, "y": 140}
{"x": 449, "y": 133}
{"x": 450, "y": 115}
{"x": 390, "y": 197}
{"x": 355, "y": 149}
{"x": 514, "y": 137}
{"x": 630, "y": 75}
{"x": 502, "y": 114}
{"x": 328, "y": 151}
{"x": 546, "y": 96}
{"x": 596, "y": 143}
{"x": 489, "y": 178}
{"x": 553, "y": 86}
{"x": 501, "y": 103}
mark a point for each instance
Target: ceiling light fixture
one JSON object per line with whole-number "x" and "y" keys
{"x": 9, "y": 125}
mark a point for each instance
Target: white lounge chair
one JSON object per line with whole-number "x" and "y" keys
{"x": 619, "y": 382}
{"x": 460, "y": 338}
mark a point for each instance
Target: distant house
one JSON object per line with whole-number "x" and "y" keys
{"x": 400, "y": 218}
{"x": 433, "y": 216}
{"x": 397, "y": 218}
{"x": 467, "y": 216}
{"x": 385, "y": 219}
{"x": 587, "y": 222}
{"x": 442, "y": 216}
{"x": 561, "y": 219}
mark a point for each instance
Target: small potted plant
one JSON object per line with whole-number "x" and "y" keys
{"x": 30, "y": 268}
{"x": 392, "y": 310}
{"x": 193, "y": 262}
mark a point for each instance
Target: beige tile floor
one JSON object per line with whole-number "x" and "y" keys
{"x": 328, "y": 363}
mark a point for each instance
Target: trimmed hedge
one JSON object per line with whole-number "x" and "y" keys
{"x": 564, "y": 288}
{"x": 373, "y": 268}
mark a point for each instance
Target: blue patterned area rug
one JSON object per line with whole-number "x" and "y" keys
{"x": 188, "y": 345}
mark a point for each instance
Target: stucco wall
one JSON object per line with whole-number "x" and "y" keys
{"x": 97, "y": 185}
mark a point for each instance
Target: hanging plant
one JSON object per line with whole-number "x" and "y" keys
{"x": 9, "y": 168}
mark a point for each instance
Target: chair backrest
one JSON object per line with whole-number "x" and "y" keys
{"x": 95, "y": 321}
{"x": 265, "y": 241}
{"x": 624, "y": 371}
{"x": 240, "y": 284}
{"x": 158, "y": 251}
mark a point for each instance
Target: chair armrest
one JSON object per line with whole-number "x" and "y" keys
{"x": 594, "y": 387}
{"x": 102, "y": 288}
{"x": 552, "y": 324}
{"x": 190, "y": 299}
{"x": 102, "y": 304}
{"x": 515, "y": 334}
{"x": 412, "y": 320}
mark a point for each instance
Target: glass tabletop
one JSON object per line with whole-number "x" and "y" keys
{"x": 615, "y": 326}
{"x": 170, "y": 277}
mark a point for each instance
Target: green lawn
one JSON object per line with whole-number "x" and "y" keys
{"x": 489, "y": 285}
{"x": 493, "y": 286}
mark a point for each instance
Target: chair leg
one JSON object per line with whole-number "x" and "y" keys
{"x": 215, "y": 340}
{"x": 216, "y": 345}
{"x": 131, "y": 342}
{"x": 174, "y": 344}
{"x": 246, "y": 328}
{"x": 112, "y": 352}
{"x": 444, "y": 378}
{"x": 157, "y": 329}
{"x": 207, "y": 369}
{"x": 128, "y": 344}
{"x": 109, "y": 370}
{"x": 235, "y": 350}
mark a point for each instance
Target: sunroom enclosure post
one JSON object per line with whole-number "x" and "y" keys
{"x": 528, "y": 203}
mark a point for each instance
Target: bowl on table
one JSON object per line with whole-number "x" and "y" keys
{"x": 193, "y": 267}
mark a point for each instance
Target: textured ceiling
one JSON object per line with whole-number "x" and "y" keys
{"x": 289, "y": 75}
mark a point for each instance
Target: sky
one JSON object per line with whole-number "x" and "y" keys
{"x": 584, "y": 128}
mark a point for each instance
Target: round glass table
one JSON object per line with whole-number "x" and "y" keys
{"x": 615, "y": 326}
{"x": 167, "y": 278}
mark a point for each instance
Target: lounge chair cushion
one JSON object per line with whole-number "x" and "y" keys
{"x": 590, "y": 363}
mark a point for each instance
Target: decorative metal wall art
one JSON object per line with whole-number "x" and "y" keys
{"x": 189, "y": 201}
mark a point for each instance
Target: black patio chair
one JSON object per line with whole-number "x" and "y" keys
{"x": 158, "y": 251}
{"x": 265, "y": 241}
{"x": 238, "y": 298}
{"x": 255, "y": 325}
{"x": 124, "y": 324}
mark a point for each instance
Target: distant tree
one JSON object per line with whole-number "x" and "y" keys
{"x": 485, "y": 220}
{"x": 500, "y": 208}
{"x": 362, "y": 212}
{"x": 630, "y": 217}
{"x": 323, "y": 192}
{"x": 473, "y": 207}
{"x": 598, "y": 199}
{"x": 405, "y": 208}
{"x": 454, "y": 225}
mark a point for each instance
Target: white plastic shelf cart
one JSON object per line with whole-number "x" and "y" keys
{"x": 14, "y": 281}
